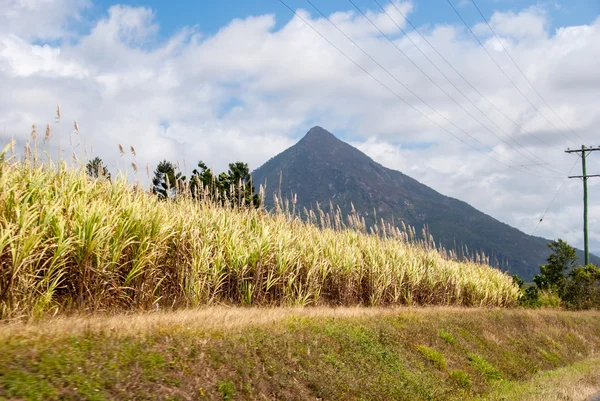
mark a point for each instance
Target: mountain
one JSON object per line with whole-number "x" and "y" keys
{"x": 321, "y": 168}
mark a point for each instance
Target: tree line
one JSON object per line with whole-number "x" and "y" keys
{"x": 563, "y": 281}
{"x": 232, "y": 187}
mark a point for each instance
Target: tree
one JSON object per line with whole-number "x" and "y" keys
{"x": 582, "y": 289}
{"x": 95, "y": 168}
{"x": 234, "y": 186}
{"x": 167, "y": 182}
{"x": 237, "y": 185}
{"x": 529, "y": 297}
{"x": 552, "y": 275}
{"x": 201, "y": 179}
{"x": 518, "y": 281}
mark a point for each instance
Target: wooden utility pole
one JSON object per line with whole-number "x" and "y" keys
{"x": 585, "y": 177}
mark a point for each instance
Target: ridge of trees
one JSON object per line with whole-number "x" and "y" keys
{"x": 233, "y": 187}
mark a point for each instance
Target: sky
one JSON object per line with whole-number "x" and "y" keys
{"x": 407, "y": 82}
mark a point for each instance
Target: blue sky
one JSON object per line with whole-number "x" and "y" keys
{"x": 209, "y": 16}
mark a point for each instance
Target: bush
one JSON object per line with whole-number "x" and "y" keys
{"x": 530, "y": 298}
{"x": 582, "y": 290}
{"x": 517, "y": 280}
{"x": 549, "y": 300}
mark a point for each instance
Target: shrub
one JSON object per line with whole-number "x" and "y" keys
{"x": 548, "y": 299}
{"x": 517, "y": 280}
{"x": 582, "y": 290}
{"x": 530, "y": 298}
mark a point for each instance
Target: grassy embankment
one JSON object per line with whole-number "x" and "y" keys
{"x": 306, "y": 354}
{"x": 71, "y": 243}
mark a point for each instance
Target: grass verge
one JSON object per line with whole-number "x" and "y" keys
{"x": 329, "y": 354}
{"x": 577, "y": 382}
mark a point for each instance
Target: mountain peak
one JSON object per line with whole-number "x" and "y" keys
{"x": 322, "y": 144}
{"x": 319, "y": 133}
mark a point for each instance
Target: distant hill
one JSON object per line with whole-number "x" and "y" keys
{"x": 320, "y": 168}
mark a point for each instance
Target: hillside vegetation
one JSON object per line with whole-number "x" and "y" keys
{"x": 306, "y": 354}
{"x": 69, "y": 242}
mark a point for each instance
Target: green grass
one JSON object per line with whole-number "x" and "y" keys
{"x": 485, "y": 368}
{"x": 227, "y": 389}
{"x": 444, "y": 335}
{"x": 461, "y": 378}
{"x": 578, "y": 381}
{"x": 433, "y": 356}
{"x": 377, "y": 356}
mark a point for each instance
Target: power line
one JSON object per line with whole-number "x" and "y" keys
{"x": 447, "y": 79}
{"x": 408, "y": 89}
{"x": 389, "y": 89}
{"x": 505, "y": 74}
{"x": 553, "y": 199}
{"x": 585, "y": 177}
{"x": 523, "y": 129}
{"x": 522, "y": 73}
{"x": 419, "y": 111}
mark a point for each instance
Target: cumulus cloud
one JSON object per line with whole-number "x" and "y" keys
{"x": 40, "y": 19}
{"x": 19, "y": 58}
{"x": 528, "y": 23}
{"x": 251, "y": 90}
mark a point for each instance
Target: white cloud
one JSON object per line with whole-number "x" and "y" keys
{"x": 250, "y": 90}
{"x": 40, "y": 19}
{"x": 18, "y": 58}
{"x": 125, "y": 25}
{"x": 530, "y": 23}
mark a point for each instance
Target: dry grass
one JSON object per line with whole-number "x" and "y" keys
{"x": 577, "y": 382}
{"x": 229, "y": 319}
{"x": 205, "y": 319}
{"x": 304, "y": 354}
{"x": 71, "y": 243}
